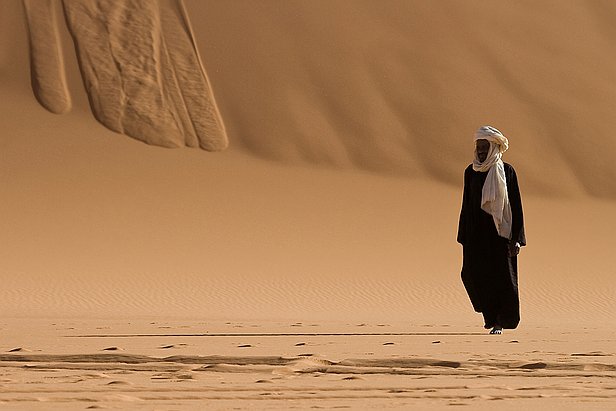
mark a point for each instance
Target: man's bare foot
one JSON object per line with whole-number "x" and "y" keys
{"x": 497, "y": 330}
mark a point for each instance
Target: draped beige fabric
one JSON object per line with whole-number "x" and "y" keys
{"x": 495, "y": 199}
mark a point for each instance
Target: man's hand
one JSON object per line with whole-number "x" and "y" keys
{"x": 514, "y": 249}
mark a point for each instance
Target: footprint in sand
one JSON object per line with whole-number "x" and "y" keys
{"x": 165, "y": 347}
{"x": 592, "y": 354}
{"x": 19, "y": 349}
{"x": 123, "y": 372}
{"x": 534, "y": 366}
{"x": 172, "y": 376}
{"x": 118, "y": 382}
{"x": 94, "y": 376}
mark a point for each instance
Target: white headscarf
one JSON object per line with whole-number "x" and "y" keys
{"x": 494, "y": 196}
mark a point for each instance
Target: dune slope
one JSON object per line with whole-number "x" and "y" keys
{"x": 98, "y": 225}
{"x": 140, "y": 68}
{"x": 400, "y": 86}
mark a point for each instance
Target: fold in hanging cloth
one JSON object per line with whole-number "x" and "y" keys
{"x": 494, "y": 199}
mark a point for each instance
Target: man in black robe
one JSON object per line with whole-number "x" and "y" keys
{"x": 491, "y": 231}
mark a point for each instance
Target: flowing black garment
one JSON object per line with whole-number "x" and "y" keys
{"x": 489, "y": 275}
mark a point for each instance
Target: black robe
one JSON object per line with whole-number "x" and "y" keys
{"x": 489, "y": 275}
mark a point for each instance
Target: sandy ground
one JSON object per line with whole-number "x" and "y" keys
{"x": 139, "y": 277}
{"x": 322, "y": 257}
{"x": 159, "y": 364}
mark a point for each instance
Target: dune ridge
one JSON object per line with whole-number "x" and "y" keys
{"x": 46, "y": 59}
{"x": 143, "y": 79}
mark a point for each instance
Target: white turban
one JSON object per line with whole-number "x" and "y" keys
{"x": 494, "y": 196}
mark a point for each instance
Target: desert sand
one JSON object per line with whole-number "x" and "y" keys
{"x": 307, "y": 256}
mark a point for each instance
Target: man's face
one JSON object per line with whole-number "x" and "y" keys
{"x": 483, "y": 146}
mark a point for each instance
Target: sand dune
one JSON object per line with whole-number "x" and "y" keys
{"x": 396, "y": 88}
{"x": 46, "y": 59}
{"x": 399, "y": 87}
{"x": 92, "y": 217}
{"x": 143, "y": 79}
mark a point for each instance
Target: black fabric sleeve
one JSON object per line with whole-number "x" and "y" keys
{"x": 464, "y": 210}
{"x": 517, "y": 225}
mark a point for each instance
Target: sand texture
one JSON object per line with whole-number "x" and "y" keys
{"x": 140, "y": 67}
{"x": 394, "y": 86}
{"x": 313, "y": 262}
{"x": 192, "y": 365}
